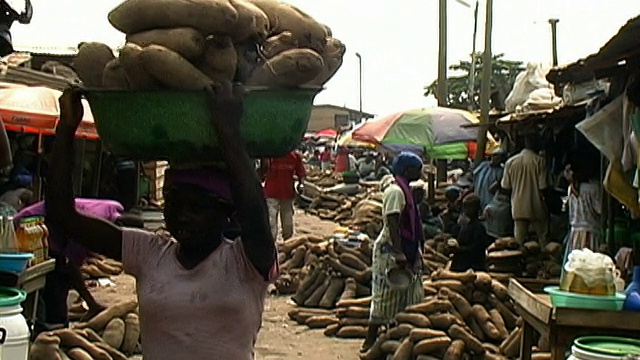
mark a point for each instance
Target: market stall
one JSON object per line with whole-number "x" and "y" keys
{"x": 563, "y": 325}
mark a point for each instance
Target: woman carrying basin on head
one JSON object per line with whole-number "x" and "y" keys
{"x": 201, "y": 296}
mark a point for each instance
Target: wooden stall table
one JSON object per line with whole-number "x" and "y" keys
{"x": 564, "y": 325}
{"x": 32, "y": 280}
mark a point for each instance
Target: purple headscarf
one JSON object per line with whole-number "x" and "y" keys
{"x": 76, "y": 253}
{"x": 410, "y": 221}
{"x": 211, "y": 180}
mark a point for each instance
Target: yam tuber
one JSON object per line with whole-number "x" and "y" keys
{"x": 507, "y": 315}
{"x": 332, "y": 56}
{"x": 114, "y": 333}
{"x": 455, "y": 350}
{"x": 114, "y": 77}
{"x": 114, "y": 353}
{"x": 466, "y": 277}
{"x": 431, "y": 306}
{"x": 349, "y": 290}
{"x": 336, "y": 285}
{"x": 296, "y": 260}
{"x": 101, "y": 320}
{"x": 284, "y": 17}
{"x": 207, "y": 16}
{"x": 220, "y": 59}
{"x": 404, "y": 351}
{"x": 279, "y": 43}
{"x": 253, "y": 23}
{"x": 345, "y": 321}
{"x": 443, "y": 321}
{"x": 138, "y": 78}
{"x": 363, "y": 276}
{"x": 497, "y": 320}
{"x": 352, "y": 332}
{"x": 316, "y": 296}
{"x": 320, "y": 321}
{"x": 472, "y": 344}
{"x": 390, "y": 346}
{"x": 483, "y": 281}
{"x": 363, "y": 302}
{"x": 307, "y": 286}
{"x": 171, "y": 69}
{"x": 416, "y": 319}
{"x": 45, "y": 347}
{"x": 80, "y": 354}
{"x": 70, "y": 339}
{"x": 460, "y": 303}
{"x": 375, "y": 351}
{"x": 499, "y": 290}
{"x": 331, "y": 330}
{"x": 185, "y": 41}
{"x": 290, "y": 68}
{"x": 421, "y": 334}
{"x": 90, "y": 62}
{"x": 455, "y": 285}
{"x": 131, "y": 333}
{"x": 293, "y": 243}
{"x": 429, "y": 346}
{"x": 484, "y": 321}
{"x": 352, "y": 261}
{"x": 400, "y": 331}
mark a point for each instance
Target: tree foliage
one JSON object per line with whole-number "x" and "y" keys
{"x": 503, "y": 76}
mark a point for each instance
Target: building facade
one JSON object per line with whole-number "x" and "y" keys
{"x": 334, "y": 117}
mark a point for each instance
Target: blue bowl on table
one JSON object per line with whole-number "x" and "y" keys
{"x": 14, "y": 262}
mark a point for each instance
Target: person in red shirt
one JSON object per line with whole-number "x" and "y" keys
{"x": 280, "y": 175}
{"x": 325, "y": 159}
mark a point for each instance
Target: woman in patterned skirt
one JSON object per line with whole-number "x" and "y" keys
{"x": 399, "y": 245}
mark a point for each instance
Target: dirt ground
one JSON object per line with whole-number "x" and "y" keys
{"x": 279, "y": 338}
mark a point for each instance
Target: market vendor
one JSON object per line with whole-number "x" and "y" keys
{"x": 366, "y": 166}
{"x": 487, "y": 176}
{"x": 201, "y": 296}
{"x": 472, "y": 240}
{"x": 527, "y": 178}
{"x": 398, "y": 246}
{"x": 68, "y": 258}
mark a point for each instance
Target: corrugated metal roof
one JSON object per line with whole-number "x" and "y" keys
{"x": 621, "y": 47}
{"x": 46, "y": 50}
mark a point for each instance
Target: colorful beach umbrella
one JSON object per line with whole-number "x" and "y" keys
{"x": 329, "y": 133}
{"x": 346, "y": 139}
{"x": 440, "y": 131}
{"x": 36, "y": 110}
{"x": 426, "y": 127}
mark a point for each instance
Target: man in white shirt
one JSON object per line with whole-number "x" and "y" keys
{"x": 527, "y": 177}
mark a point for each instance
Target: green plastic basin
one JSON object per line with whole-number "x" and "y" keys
{"x": 176, "y": 126}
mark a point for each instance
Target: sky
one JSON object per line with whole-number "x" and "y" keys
{"x": 397, "y": 39}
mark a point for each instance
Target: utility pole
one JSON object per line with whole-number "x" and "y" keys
{"x": 554, "y": 40}
{"x": 442, "y": 54}
{"x": 360, "y": 83}
{"x": 485, "y": 94}
{"x": 472, "y": 71}
{"x": 441, "y": 165}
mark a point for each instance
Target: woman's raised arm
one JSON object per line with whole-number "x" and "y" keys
{"x": 95, "y": 234}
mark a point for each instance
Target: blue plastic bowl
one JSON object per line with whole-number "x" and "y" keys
{"x": 567, "y": 299}
{"x": 14, "y": 262}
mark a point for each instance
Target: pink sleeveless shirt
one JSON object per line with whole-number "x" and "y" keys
{"x": 213, "y": 311}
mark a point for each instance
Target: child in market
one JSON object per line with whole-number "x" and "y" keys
{"x": 472, "y": 240}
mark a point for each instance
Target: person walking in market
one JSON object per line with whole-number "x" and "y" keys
{"x": 527, "y": 177}
{"x": 201, "y": 296}
{"x": 279, "y": 189}
{"x": 487, "y": 176}
{"x": 325, "y": 158}
{"x": 398, "y": 246}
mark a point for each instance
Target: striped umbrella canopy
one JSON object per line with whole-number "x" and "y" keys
{"x": 426, "y": 127}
